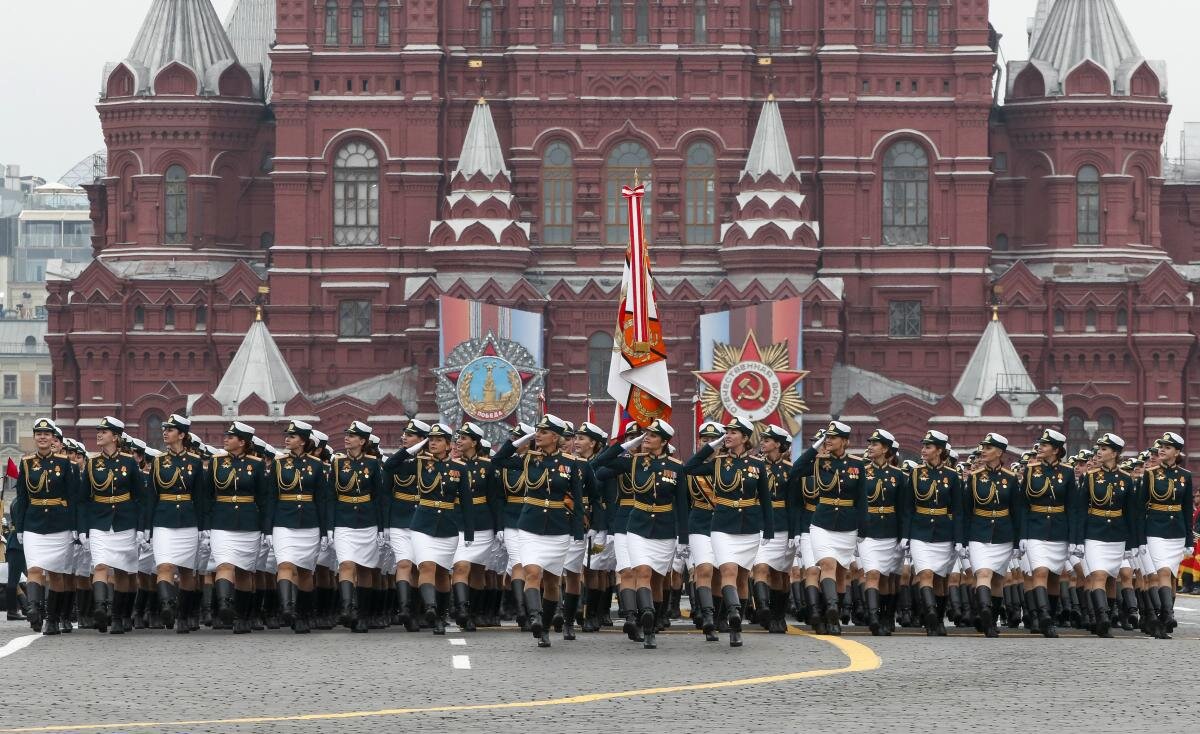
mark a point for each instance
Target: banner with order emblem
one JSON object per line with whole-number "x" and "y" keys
{"x": 491, "y": 366}
{"x": 751, "y": 365}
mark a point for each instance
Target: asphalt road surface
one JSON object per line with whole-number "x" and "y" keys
{"x": 498, "y": 682}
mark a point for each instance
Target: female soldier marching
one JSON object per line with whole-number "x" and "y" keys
{"x": 357, "y": 520}
{"x": 177, "y": 491}
{"x": 992, "y": 508}
{"x": 550, "y": 518}
{"x": 742, "y": 518}
{"x": 658, "y": 520}
{"x": 933, "y": 526}
{"x": 1105, "y": 524}
{"x": 299, "y": 520}
{"x": 1165, "y": 509}
{"x": 882, "y": 516}
{"x": 238, "y": 519}
{"x": 1048, "y": 493}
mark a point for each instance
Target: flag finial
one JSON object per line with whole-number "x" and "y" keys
{"x": 995, "y": 312}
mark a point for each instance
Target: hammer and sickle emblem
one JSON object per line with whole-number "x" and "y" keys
{"x": 750, "y": 388}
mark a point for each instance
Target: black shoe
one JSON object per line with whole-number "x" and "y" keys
{"x": 873, "y": 620}
{"x": 570, "y": 605}
{"x": 735, "y": 626}
{"x": 35, "y": 605}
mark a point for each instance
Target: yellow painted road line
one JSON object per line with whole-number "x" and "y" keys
{"x": 861, "y": 659}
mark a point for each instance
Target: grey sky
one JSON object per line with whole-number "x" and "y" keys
{"x": 55, "y": 53}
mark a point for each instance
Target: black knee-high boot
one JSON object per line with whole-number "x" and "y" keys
{"x": 287, "y": 601}
{"x": 647, "y": 616}
{"x": 1129, "y": 603}
{"x": 548, "y": 609}
{"x": 987, "y": 611}
{"x": 51, "y": 604}
{"x": 734, "y": 606}
{"x": 223, "y": 590}
{"x": 904, "y": 605}
{"x": 522, "y": 609}
{"x": 762, "y": 603}
{"x": 873, "y": 612}
{"x": 627, "y": 598}
{"x": 533, "y": 603}
{"x": 1100, "y": 609}
{"x": 812, "y": 597}
{"x": 833, "y": 616}
{"x": 798, "y": 604}
{"x": 1042, "y": 612}
{"x": 707, "y": 622}
{"x": 929, "y": 610}
{"x": 570, "y": 607}
{"x": 347, "y": 604}
{"x": 36, "y": 605}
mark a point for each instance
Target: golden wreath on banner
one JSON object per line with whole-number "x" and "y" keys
{"x": 752, "y": 382}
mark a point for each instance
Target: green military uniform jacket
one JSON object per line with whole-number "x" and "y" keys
{"x": 48, "y": 497}
{"x": 992, "y": 506}
{"x": 841, "y": 495}
{"x": 177, "y": 491}
{"x": 553, "y": 491}
{"x": 512, "y": 486}
{"x": 886, "y": 501}
{"x": 660, "y": 499}
{"x": 483, "y": 487}
{"x": 1047, "y": 495}
{"x": 301, "y": 495}
{"x": 934, "y": 513}
{"x": 1165, "y": 504}
{"x": 444, "y": 508}
{"x": 401, "y": 503}
{"x": 113, "y": 494}
{"x": 357, "y": 490}
{"x": 742, "y": 499}
{"x": 1106, "y": 506}
{"x": 238, "y": 500}
{"x": 701, "y": 497}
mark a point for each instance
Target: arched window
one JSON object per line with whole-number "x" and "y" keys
{"x": 356, "y": 195}
{"x": 880, "y": 22}
{"x": 600, "y": 347}
{"x": 906, "y": 22}
{"x": 624, "y": 160}
{"x": 616, "y": 22}
{"x": 775, "y": 24}
{"x": 1060, "y": 320}
{"x": 357, "y": 13}
{"x": 383, "y": 25}
{"x": 139, "y": 317}
{"x": 933, "y": 24}
{"x": 558, "y": 195}
{"x": 558, "y": 22}
{"x": 700, "y": 22}
{"x": 1122, "y": 319}
{"x": 1106, "y": 422}
{"x": 905, "y": 195}
{"x": 642, "y": 19}
{"x": 485, "y": 23}
{"x": 201, "y": 317}
{"x": 331, "y": 22}
{"x": 169, "y": 317}
{"x": 154, "y": 428}
{"x": 1087, "y": 206}
{"x": 1089, "y": 319}
{"x": 700, "y": 191}
{"x": 1001, "y": 243}
{"x": 176, "y": 206}
{"x": 1077, "y": 436}
{"x": 31, "y": 343}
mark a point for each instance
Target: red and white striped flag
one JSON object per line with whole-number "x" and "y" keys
{"x": 637, "y": 376}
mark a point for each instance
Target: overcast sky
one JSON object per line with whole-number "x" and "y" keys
{"x": 55, "y": 53}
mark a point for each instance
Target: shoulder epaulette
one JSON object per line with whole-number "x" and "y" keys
{"x": 855, "y": 457}
{"x": 979, "y": 471}
{"x": 459, "y": 462}
{"x": 534, "y": 452}
{"x": 786, "y": 462}
{"x": 484, "y": 459}
{"x": 30, "y": 455}
{"x": 126, "y": 454}
{"x": 572, "y": 457}
{"x": 1008, "y": 471}
{"x": 1095, "y": 470}
{"x": 337, "y": 456}
{"x": 255, "y": 458}
{"x": 674, "y": 460}
{"x": 61, "y": 455}
{"x": 1122, "y": 471}
{"x": 194, "y": 454}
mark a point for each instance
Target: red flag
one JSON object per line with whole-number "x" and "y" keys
{"x": 12, "y": 471}
{"x": 697, "y": 414}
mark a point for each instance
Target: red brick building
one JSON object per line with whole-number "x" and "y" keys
{"x": 850, "y": 152}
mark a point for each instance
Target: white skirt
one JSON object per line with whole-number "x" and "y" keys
{"x": 357, "y": 545}
{"x": 547, "y": 552}
{"x": 936, "y": 557}
{"x": 880, "y": 554}
{"x": 700, "y": 550}
{"x": 480, "y": 551}
{"x": 677, "y": 564}
{"x": 1048, "y": 554}
{"x": 50, "y": 552}
{"x": 402, "y": 546}
{"x": 655, "y": 553}
{"x": 297, "y": 546}
{"x": 327, "y": 558}
{"x": 774, "y": 554}
{"x": 146, "y": 563}
{"x": 1101, "y": 556}
{"x": 737, "y": 549}
{"x": 238, "y": 548}
{"x": 1145, "y": 563}
{"x": 1164, "y": 552}
{"x": 82, "y": 560}
{"x": 176, "y": 546}
{"x": 992, "y": 556}
{"x": 808, "y": 559}
{"x": 605, "y": 560}
{"x": 432, "y": 549}
{"x": 573, "y": 563}
{"x": 839, "y": 546}
{"x": 117, "y": 550}
{"x": 621, "y": 549}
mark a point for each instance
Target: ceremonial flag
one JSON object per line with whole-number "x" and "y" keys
{"x": 11, "y": 470}
{"x": 637, "y": 375}
{"x": 697, "y": 413}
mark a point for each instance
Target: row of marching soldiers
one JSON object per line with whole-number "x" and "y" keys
{"x": 1089, "y": 540}
{"x": 557, "y": 516}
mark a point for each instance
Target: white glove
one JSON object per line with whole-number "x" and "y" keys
{"x": 818, "y": 440}
{"x": 467, "y": 543}
{"x": 206, "y": 535}
{"x": 1022, "y": 547}
{"x": 1076, "y": 550}
{"x": 793, "y": 543}
{"x": 683, "y": 552}
{"x": 21, "y": 538}
{"x": 716, "y": 443}
{"x": 590, "y": 536}
{"x": 763, "y": 541}
{"x": 961, "y": 550}
{"x": 325, "y": 541}
{"x": 1144, "y": 550}
{"x": 380, "y": 540}
{"x": 500, "y": 537}
{"x": 74, "y": 536}
{"x": 1127, "y": 555}
{"x": 416, "y": 448}
{"x": 141, "y": 536}
{"x": 523, "y": 440}
{"x": 387, "y": 535}
{"x": 633, "y": 443}
{"x": 601, "y": 540}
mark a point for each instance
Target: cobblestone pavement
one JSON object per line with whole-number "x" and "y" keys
{"x": 906, "y": 683}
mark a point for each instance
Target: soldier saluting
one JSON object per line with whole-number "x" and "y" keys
{"x": 1165, "y": 509}
{"x": 177, "y": 482}
{"x": 44, "y": 520}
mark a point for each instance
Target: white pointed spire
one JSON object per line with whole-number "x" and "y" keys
{"x": 257, "y": 367}
{"x": 1076, "y": 30}
{"x": 481, "y": 151}
{"x": 769, "y": 152}
{"x": 184, "y": 31}
{"x": 251, "y": 29}
{"x": 995, "y": 367}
